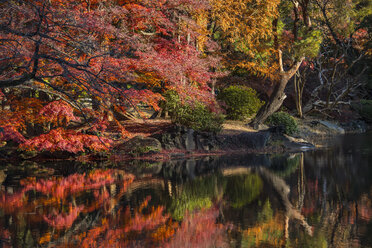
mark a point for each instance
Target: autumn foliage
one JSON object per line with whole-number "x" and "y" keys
{"x": 69, "y": 68}
{"x": 117, "y": 55}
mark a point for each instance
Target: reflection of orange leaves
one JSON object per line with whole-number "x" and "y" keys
{"x": 164, "y": 232}
{"x": 63, "y": 220}
{"x": 62, "y": 187}
{"x": 5, "y": 237}
{"x": 147, "y": 221}
{"x": 267, "y": 232}
{"x": 46, "y": 238}
{"x": 150, "y": 227}
{"x": 9, "y": 202}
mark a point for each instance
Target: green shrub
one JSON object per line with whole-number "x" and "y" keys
{"x": 365, "y": 109}
{"x": 196, "y": 116}
{"x": 241, "y": 102}
{"x": 283, "y": 119}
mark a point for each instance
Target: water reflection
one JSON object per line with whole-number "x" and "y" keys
{"x": 317, "y": 199}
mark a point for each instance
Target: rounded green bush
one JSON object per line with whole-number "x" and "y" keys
{"x": 196, "y": 116}
{"x": 283, "y": 119}
{"x": 241, "y": 102}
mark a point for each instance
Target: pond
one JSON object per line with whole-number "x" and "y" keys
{"x": 320, "y": 198}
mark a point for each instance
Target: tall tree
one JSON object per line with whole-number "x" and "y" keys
{"x": 274, "y": 36}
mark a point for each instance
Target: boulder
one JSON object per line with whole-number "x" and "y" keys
{"x": 187, "y": 139}
{"x": 139, "y": 145}
{"x": 254, "y": 140}
{"x": 190, "y": 140}
{"x": 333, "y": 127}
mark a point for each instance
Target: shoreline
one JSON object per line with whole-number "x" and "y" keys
{"x": 235, "y": 138}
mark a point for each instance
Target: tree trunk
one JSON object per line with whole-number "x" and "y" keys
{"x": 272, "y": 105}
{"x": 277, "y": 97}
{"x": 299, "y": 88}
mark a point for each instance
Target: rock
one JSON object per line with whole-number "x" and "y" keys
{"x": 190, "y": 140}
{"x": 187, "y": 139}
{"x": 332, "y": 126}
{"x": 178, "y": 142}
{"x": 139, "y": 145}
{"x": 297, "y": 144}
{"x": 254, "y": 140}
{"x": 356, "y": 126}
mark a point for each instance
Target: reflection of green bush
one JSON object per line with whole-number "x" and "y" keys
{"x": 243, "y": 189}
{"x": 304, "y": 240}
{"x": 266, "y": 214}
{"x": 286, "y": 166}
{"x": 193, "y": 195}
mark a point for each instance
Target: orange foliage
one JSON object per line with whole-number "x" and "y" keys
{"x": 66, "y": 140}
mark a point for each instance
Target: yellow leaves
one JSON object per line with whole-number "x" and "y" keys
{"x": 249, "y": 26}
{"x": 202, "y": 20}
{"x": 149, "y": 78}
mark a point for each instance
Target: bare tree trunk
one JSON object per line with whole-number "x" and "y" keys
{"x": 213, "y": 87}
{"x": 299, "y": 88}
{"x": 277, "y": 97}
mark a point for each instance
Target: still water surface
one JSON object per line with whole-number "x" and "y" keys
{"x": 319, "y": 198}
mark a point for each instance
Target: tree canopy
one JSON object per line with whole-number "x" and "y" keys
{"x": 69, "y": 63}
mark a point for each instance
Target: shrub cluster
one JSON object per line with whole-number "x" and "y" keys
{"x": 241, "y": 102}
{"x": 285, "y": 120}
{"x": 193, "y": 115}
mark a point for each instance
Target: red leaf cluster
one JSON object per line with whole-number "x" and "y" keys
{"x": 57, "y": 111}
{"x": 8, "y": 133}
{"x": 60, "y": 139}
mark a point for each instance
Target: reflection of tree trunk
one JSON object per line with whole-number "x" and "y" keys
{"x": 301, "y": 183}
{"x": 283, "y": 190}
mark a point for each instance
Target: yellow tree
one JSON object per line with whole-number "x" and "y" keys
{"x": 257, "y": 28}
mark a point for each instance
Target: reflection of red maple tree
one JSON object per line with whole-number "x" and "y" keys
{"x": 57, "y": 190}
{"x": 114, "y": 225}
{"x": 63, "y": 220}
{"x": 199, "y": 230}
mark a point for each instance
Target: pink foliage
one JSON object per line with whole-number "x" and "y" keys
{"x": 57, "y": 111}
{"x": 66, "y": 140}
{"x": 72, "y": 184}
{"x": 200, "y": 230}
{"x": 8, "y": 133}
{"x": 63, "y": 220}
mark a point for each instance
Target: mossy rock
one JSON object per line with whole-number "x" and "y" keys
{"x": 139, "y": 145}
